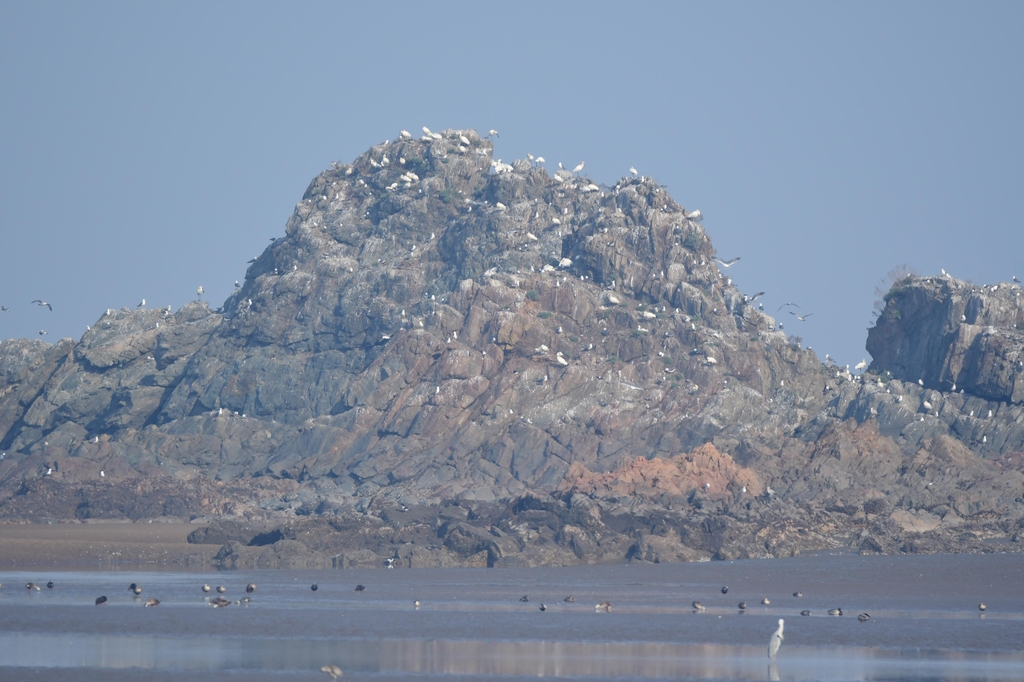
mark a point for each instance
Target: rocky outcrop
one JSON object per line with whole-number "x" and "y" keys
{"x": 953, "y": 335}
{"x": 451, "y": 360}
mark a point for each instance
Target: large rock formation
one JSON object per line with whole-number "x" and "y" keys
{"x": 452, "y": 360}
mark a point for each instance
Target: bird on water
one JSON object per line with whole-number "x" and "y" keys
{"x": 864, "y": 617}
{"x": 525, "y": 597}
{"x": 152, "y": 602}
{"x": 332, "y": 670}
{"x": 835, "y": 612}
{"x": 743, "y": 606}
{"x": 137, "y": 589}
{"x": 314, "y": 587}
{"x": 359, "y": 588}
{"x": 776, "y": 641}
{"x": 250, "y": 588}
{"x": 725, "y": 590}
{"x": 697, "y": 606}
{"x": 221, "y": 589}
{"x": 49, "y": 585}
{"x": 101, "y": 600}
{"x": 206, "y": 587}
{"x": 31, "y": 586}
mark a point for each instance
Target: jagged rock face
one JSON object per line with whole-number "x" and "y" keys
{"x": 950, "y": 333}
{"x": 435, "y": 325}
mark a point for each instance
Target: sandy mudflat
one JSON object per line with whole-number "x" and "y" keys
{"x": 76, "y": 545}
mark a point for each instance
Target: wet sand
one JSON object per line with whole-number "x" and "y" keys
{"x": 925, "y": 625}
{"x": 69, "y": 545}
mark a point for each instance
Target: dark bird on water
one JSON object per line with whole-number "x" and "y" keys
{"x": 101, "y": 600}
{"x": 221, "y": 589}
{"x": 137, "y": 589}
{"x": 525, "y": 597}
{"x": 835, "y": 612}
{"x": 206, "y": 587}
{"x": 31, "y": 586}
{"x": 49, "y": 585}
{"x": 250, "y": 588}
{"x": 220, "y": 602}
{"x": 152, "y": 602}
{"x": 543, "y": 607}
{"x": 864, "y": 617}
{"x": 359, "y": 588}
{"x": 725, "y": 590}
{"x": 798, "y": 594}
{"x": 697, "y": 606}
{"x": 805, "y": 612}
{"x": 314, "y": 587}
{"x": 743, "y": 606}
{"x": 570, "y": 599}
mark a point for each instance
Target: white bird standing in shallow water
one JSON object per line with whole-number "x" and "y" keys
{"x": 776, "y": 641}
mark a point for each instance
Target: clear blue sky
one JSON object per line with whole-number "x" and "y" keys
{"x": 148, "y": 148}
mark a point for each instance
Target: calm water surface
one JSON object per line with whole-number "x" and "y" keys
{"x": 925, "y": 623}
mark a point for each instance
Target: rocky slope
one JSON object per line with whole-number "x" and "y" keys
{"x": 451, "y": 360}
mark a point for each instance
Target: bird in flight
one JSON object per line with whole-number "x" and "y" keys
{"x": 4, "y": 309}
{"x": 728, "y": 263}
{"x": 785, "y": 304}
{"x": 755, "y": 297}
{"x": 41, "y": 303}
{"x": 800, "y": 317}
{"x": 43, "y": 332}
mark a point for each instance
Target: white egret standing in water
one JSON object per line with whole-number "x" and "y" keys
{"x": 775, "y": 641}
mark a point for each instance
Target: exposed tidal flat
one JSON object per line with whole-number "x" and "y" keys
{"x": 471, "y": 623}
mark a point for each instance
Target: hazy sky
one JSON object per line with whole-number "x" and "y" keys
{"x": 148, "y": 148}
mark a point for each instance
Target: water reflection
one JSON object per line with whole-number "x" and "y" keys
{"x": 500, "y": 659}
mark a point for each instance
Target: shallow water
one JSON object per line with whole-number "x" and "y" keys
{"x": 925, "y": 623}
